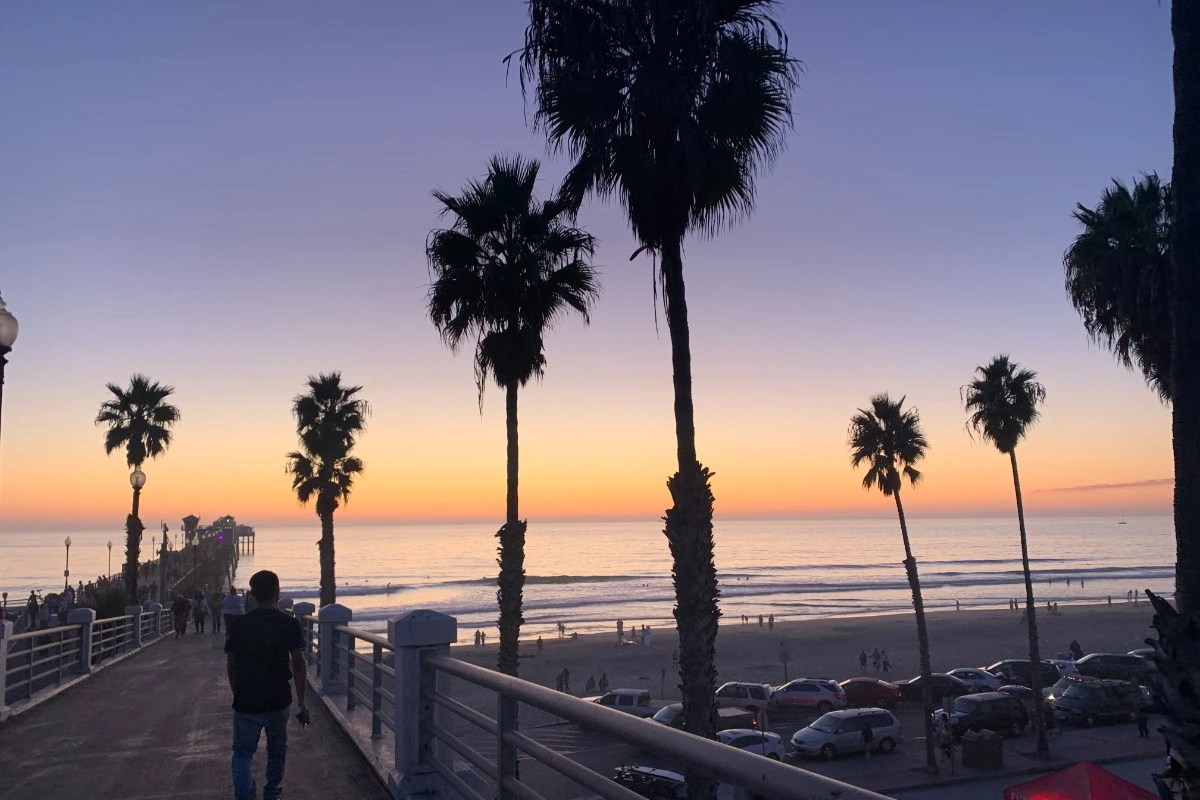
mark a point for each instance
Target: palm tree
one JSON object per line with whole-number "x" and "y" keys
{"x": 329, "y": 418}
{"x": 1118, "y": 276}
{"x": 889, "y": 441}
{"x": 1003, "y": 402}
{"x": 139, "y": 420}
{"x": 675, "y": 106}
{"x": 505, "y": 270}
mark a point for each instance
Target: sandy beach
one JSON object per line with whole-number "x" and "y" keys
{"x": 829, "y": 648}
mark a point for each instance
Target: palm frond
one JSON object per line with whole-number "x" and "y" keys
{"x": 329, "y": 418}
{"x": 1003, "y": 402}
{"x": 888, "y": 439}
{"x": 138, "y": 419}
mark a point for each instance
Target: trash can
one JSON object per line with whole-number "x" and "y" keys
{"x": 982, "y": 750}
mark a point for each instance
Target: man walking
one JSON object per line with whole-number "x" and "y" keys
{"x": 265, "y": 650}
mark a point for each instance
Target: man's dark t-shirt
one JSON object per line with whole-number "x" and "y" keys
{"x": 261, "y": 643}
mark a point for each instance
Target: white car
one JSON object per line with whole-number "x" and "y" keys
{"x": 764, "y": 744}
{"x": 841, "y": 732}
{"x": 1065, "y": 666}
{"x": 978, "y": 679}
{"x": 820, "y": 695}
{"x": 752, "y": 696}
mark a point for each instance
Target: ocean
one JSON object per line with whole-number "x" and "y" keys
{"x": 589, "y": 574}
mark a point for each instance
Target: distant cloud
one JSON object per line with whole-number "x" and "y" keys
{"x": 1103, "y": 487}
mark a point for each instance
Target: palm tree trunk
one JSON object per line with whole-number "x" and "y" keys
{"x": 325, "y": 547}
{"x": 1185, "y": 305}
{"x": 511, "y": 560}
{"x": 133, "y": 547}
{"x": 914, "y": 583}
{"x": 1035, "y": 653}
{"x": 689, "y": 533}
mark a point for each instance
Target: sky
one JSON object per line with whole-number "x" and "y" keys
{"x": 230, "y": 197}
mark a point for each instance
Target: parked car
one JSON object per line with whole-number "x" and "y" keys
{"x": 739, "y": 694}
{"x": 632, "y": 701}
{"x": 1023, "y": 693}
{"x": 672, "y": 716}
{"x": 840, "y": 732}
{"x": 1145, "y": 652}
{"x": 978, "y": 679}
{"x": 652, "y": 783}
{"x": 764, "y": 744}
{"x": 870, "y": 693}
{"x": 1066, "y": 667}
{"x": 943, "y": 685}
{"x": 1056, "y": 691}
{"x": 1020, "y": 671}
{"x": 1092, "y": 702}
{"x": 1114, "y": 666}
{"x": 809, "y": 693}
{"x": 993, "y": 711}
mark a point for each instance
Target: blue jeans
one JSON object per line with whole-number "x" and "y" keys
{"x": 246, "y": 728}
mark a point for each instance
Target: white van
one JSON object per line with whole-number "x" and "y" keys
{"x": 849, "y": 731}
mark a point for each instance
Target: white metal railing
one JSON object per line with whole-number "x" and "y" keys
{"x": 412, "y": 698}
{"x": 37, "y": 660}
{"x": 146, "y": 623}
{"x": 110, "y": 636}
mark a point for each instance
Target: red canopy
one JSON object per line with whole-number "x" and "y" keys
{"x": 1082, "y": 781}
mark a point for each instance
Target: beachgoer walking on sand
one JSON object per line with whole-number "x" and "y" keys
{"x": 566, "y": 680}
{"x": 590, "y": 686}
{"x": 1110, "y": 601}
{"x": 483, "y": 638}
{"x": 862, "y": 661}
{"x": 264, "y": 651}
{"x": 760, "y": 620}
{"x": 876, "y": 660}
{"x": 887, "y": 665}
{"x": 771, "y": 622}
{"x": 539, "y": 644}
{"x": 620, "y": 631}
{"x": 957, "y": 606}
{"x": 1076, "y": 650}
{"x": 558, "y": 682}
{"x": 603, "y": 684}
{"x": 179, "y": 613}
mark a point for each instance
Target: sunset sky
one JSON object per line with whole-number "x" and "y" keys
{"x": 230, "y": 196}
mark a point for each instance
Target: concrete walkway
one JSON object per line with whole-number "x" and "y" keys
{"x": 158, "y": 726}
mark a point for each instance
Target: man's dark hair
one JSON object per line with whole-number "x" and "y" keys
{"x": 264, "y": 585}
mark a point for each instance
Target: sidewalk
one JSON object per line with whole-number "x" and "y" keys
{"x": 158, "y": 726}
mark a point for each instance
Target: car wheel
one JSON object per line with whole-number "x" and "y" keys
{"x": 827, "y": 752}
{"x": 773, "y": 756}
{"x": 824, "y": 706}
{"x": 887, "y": 744}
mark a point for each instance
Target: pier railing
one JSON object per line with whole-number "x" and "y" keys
{"x": 398, "y": 690}
{"x": 35, "y": 663}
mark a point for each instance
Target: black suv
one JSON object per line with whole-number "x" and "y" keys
{"x": 1020, "y": 672}
{"x": 655, "y": 784}
{"x": 1117, "y": 666}
{"x": 1093, "y": 702}
{"x": 993, "y": 711}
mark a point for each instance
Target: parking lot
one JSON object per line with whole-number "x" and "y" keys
{"x": 902, "y": 768}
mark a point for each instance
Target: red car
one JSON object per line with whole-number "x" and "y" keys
{"x": 870, "y": 693}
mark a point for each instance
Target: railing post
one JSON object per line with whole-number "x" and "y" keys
{"x": 328, "y": 618}
{"x": 135, "y": 641}
{"x": 156, "y": 610}
{"x": 410, "y": 635}
{"x": 376, "y": 685}
{"x": 85, "y": 618}
{"x": 6, "y": 630}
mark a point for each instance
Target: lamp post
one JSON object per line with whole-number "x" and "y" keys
{"x": 137, "y": 479}
{"x": 67, "y": 567}
{"x": 110, "y": 558}
{"x": 8, "y": 336}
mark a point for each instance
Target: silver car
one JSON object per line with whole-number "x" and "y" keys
{"x": 978, "y": 679}
{"x": 849, "y": 731}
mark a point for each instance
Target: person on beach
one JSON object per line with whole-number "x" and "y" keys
{"x": 483, "y": 638}
{"x": 1110, "y": 601}
{"x": 539, "y": 644}
{"x": 957, "y": 606}
{"x": 264, "y": 653}
{"x": 603, "y": 684}
{"x": 232, "y": 609}
{"x": 771, "y": 622}
{"x": 620, "y": 631}
{"x": 591, "y": 684}
{"x": 862, "y": 661}
{"x": 566, "y": 673}
{"x": 876, "y": 660}
{"x": 179, "y": 614}
{"x": 1076, "y": 650}
{"x": 887, "y": 665}
{"x": 760, "y": 620}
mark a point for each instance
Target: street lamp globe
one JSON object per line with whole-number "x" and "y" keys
{"x": 8, "y": 328}
{"x": 68, "y": 541}
{"x": 137, "y": 478}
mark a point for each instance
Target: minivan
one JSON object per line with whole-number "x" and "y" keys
{"x": 993, "y": 711}
{"x": 1116, "y": 666}
{"x": 849, "y": 731}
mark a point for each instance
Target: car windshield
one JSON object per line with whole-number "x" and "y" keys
{"x": 1080, "y": 691}
{"x": 668, "y": 714}
{"x": 1062, "y": 685}
{"x": 965, "y": 705}
{"x": 826, "y": 724}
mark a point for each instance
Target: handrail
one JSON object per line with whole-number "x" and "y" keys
{"x": 373, "y": 638}
{"x": 750, "y": 771}
{"x": 20, "y": 637}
